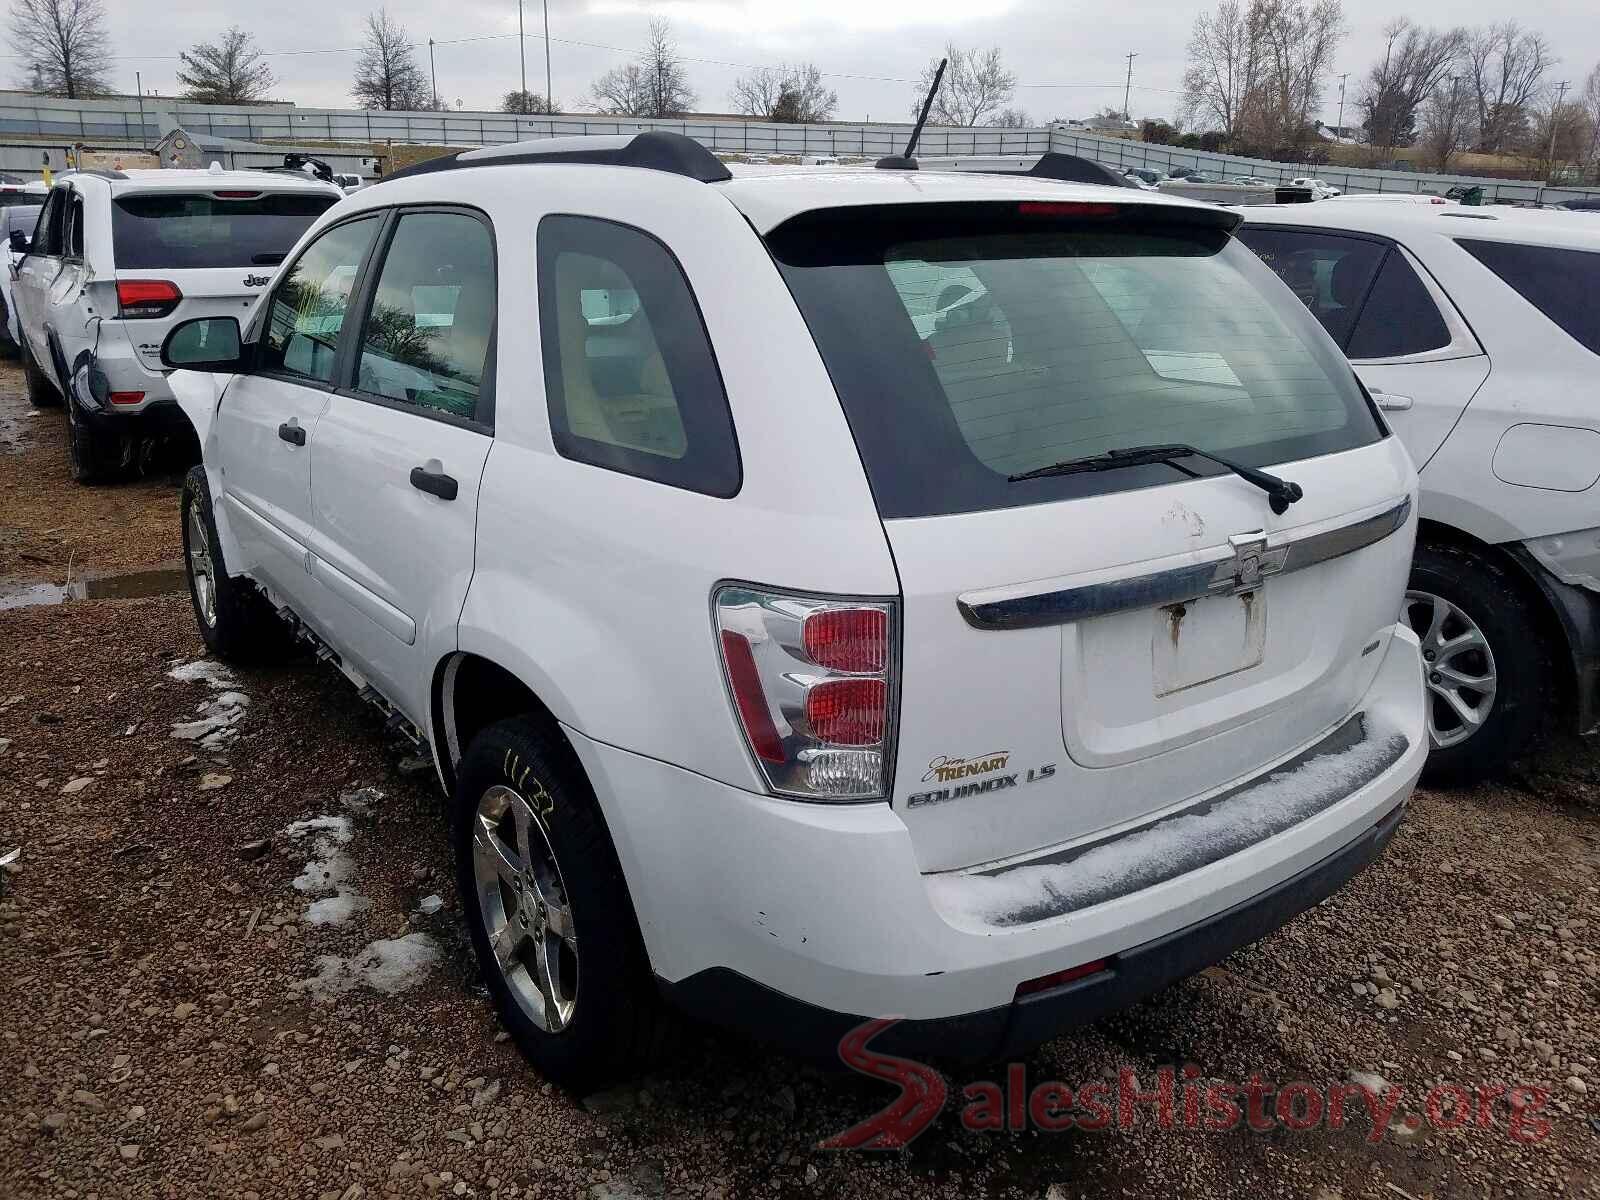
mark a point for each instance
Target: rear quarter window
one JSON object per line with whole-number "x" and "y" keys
{"x": 1563, "y": 284}
{"x": 175, "y": 231}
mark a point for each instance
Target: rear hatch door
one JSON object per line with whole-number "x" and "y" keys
{"x": 218, "y": 249}
{"x": 1085, "y": 649}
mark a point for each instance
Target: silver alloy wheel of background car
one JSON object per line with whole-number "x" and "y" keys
{"x": 202, "y": 571}
{"x": 522, "y": 901}
{"x": 1457, "y": 667}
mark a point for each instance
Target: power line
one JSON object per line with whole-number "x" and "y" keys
{"x": 631, "y": 53}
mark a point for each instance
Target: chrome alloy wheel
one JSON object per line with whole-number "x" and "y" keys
{"x": 522, "y": 901}
{"x": 202, "y": 571}
{"x": 1457, "y": 666}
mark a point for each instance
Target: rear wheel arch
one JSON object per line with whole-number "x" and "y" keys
{"x": 470, "y": 693}
{"x": 1558, "y": 637}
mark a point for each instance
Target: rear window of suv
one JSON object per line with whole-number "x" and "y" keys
{"x": 969, "y": 343}
{"x": 173, "y": 231}
{"x": 1562, "y": 284}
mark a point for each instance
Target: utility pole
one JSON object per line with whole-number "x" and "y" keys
{"x": 522, "y": 53}
{"x": 549, "y": 91}
{"x": 144, "y": 141}
{"x": 433, "y": 75}
{"x": 1555, "y": 122}
{"x": 1128, "y": 87}
{"x": 1342, "y": 78}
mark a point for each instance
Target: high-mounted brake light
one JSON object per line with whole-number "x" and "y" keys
{"x": 236, "y": 195}
{"x": 811, "y": 680}
{"x": 141, "y": 299}
{"x": 1067, "y": 208}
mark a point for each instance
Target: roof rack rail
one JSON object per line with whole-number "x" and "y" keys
{"x": 656, "y": 150}
{"x": 1068, "y": 168}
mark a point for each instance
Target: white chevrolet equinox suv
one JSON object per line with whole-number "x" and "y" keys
{"x": 795, "y": 655}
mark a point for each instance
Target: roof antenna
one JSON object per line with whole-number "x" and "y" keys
{"x": 908, "y": 160}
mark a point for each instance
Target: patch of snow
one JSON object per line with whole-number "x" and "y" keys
{"x": 389, "y": 966}
{"x": 206, "y": 671}
{"x": 217, "y": 725}
{"x": 329, "y": 869}
{"x": 1169, "y": 847}
{"x": 362, "y": 800}
{"x": 429, "y": 905}
{"x": 336, "y": 909}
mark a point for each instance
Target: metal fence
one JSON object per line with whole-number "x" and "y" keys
{"x": 121, "y": 121}
{"x": 1121, "y": 152}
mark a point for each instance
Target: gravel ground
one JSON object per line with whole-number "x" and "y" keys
{"x": 203, "y": 995}
{"x": 52, "y": 529}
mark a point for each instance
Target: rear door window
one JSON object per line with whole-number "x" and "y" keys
{"x": 1562, "y": 284}
{"x": 174, "y": 231}
{"x": 1070, "y": 337}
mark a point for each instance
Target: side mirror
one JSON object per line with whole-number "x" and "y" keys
{"x": 204, "y": 344}
{"x": 19, "y": 241}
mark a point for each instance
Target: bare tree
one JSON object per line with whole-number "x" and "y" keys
{"x": 227, "y": 71}
{"x": 1506, "y": 66}
{"x": 656, "y": 86}
{"x": 1448, "y": 123}
{"x": 526, "y": 103}
{"x": 387, "y": 74}
{"x": 1563, "y": 126}
{"x": 1256, "y": 69}
{"x": 1415, "y": 61}
{"x": 976, "y": 85}
{"x": 64, "y": 46}
{"x": 1591, "y": 106}
{"x": 791, "y": 92}
{"x": 1224, "y": 61}
{"x": 1010, "y": 118}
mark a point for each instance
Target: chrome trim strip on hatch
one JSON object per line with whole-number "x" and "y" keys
{"x": 1241, "y": 566}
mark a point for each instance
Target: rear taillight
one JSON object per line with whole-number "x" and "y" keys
{"x": 812, "y": 682}
{"x": 141, "y": 299}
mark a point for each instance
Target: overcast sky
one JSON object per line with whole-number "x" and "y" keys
{"x": 1068, "y": 54}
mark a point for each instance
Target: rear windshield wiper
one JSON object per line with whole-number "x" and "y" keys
{"x": 1280, "y": 492}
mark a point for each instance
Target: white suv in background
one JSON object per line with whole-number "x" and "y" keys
{"x": 1478, "y": 332}
{"x": 791, "y": 653}
{"x": 115, "y": 260}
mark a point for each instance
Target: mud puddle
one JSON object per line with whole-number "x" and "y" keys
{"x": 125, "y": 585}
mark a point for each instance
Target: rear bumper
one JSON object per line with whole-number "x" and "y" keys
{"x": 797, "y": 920}
{"x": 727, "y": 998}
{"x": 123, "y": 371}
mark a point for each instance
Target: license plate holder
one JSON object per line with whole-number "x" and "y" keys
{"x": 1203, "y": 640}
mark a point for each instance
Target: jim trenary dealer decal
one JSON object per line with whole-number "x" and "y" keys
{"x": 947, "y": 769}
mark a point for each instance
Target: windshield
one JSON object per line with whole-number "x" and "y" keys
{"x": 970, "y": 343}
{"x": 173, "y": 231}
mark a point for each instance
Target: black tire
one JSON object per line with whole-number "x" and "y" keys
{"x": 242, "y": 627}
{"x": 1491, "y": 595}
{"x": 41, "y": 392}
{"x": 95, "y": 455}
{"x": 611, "y": 1033}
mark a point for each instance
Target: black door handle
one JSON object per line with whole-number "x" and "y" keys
{"x": 292, "y": 434}
{"x": 435, "y": 483}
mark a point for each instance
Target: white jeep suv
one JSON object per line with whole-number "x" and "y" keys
{"x": 791, "y": 655}
{"x": 1478, "y": 331}
{"x": 115, "y": 260}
